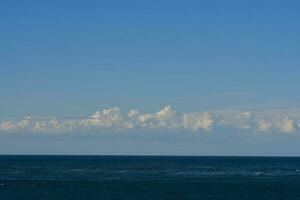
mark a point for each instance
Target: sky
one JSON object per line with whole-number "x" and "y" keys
{"x": 150, "y": 77}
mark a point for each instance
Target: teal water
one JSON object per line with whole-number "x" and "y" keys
{"x": 148, "y": 177}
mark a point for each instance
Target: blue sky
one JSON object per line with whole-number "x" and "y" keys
{"x": 69, "y": 59}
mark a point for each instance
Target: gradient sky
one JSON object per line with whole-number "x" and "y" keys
{"x": 69, "y": 59}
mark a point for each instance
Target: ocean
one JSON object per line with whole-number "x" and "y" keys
{"x": 148, "y": 177}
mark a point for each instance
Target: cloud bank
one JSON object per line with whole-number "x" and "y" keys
{"x": 112, "y": 119}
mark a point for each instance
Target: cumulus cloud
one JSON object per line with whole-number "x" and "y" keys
{"x": 166, "y": 118}
{"x": 194, "y": 121}
{"x": 165, "y": 114}
{"x": 286, "y": 125}
{"x": 25, "y": 123}
{"x": 8, "y": 126}
{"x": 106, "y": 118}
{"x": 263, "y": 125}
{"x": 133, "y": 113}
{"x": 112, "y": 119}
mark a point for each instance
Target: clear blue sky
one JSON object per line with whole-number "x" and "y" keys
{"x": 72, "y": 58}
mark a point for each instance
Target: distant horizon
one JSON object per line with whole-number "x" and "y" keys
{"x": 150, "y": 155}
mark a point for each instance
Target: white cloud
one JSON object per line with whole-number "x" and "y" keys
{"x": 163, "y": 119}
{"x": 40, "y": 126}
{"x": 25, "y": 123}
{"x": 263, "y": 125}
{"x": 106, "y": 118}
{"x": 8, "y": 126}
{"x": 286, "y": 125}
{"x": 166, "y": 118}
{"x": 133, "y": 113}
{"x": 197, "y": 121}
{"x": 145, "y": 117}
{"x": 165, "y": 114}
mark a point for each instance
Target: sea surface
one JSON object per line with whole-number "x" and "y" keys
{"x": 148, "y": 177}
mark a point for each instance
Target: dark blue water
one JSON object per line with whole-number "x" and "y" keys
{"x": 130, "y": 177}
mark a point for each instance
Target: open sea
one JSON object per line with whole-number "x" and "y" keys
{"x": 148, "y": 177}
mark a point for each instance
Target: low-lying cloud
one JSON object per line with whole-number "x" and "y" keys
{"x": 112, "y": 119}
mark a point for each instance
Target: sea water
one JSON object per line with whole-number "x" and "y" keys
{"x": 148, "y": 177}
